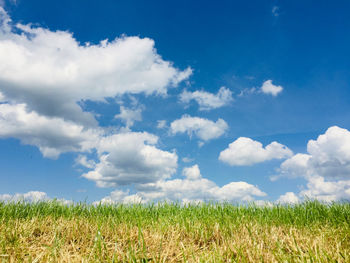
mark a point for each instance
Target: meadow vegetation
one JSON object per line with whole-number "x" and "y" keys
{"x": 54, "y": 232}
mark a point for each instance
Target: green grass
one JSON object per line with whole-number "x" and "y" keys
{"x": 50, "y": 231}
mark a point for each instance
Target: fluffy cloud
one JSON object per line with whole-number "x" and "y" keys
{"x": 269, "y": 88}
{"x": 45, "y": 76}
{"x": 192, "y": 173}
{"x": 330, "y": 153}
{"x": 318, "y": 188}
{"x": 203, "y": 128}
{"x": 193, "y": 188}
{"x": 245, "y": 151}
{"x": 326, "y": 166}
{"x": 51, "y": 71}
{"x": 296, "y": 166}
{"x": 328, "y": 156}
{"x": 129, "y": 116}
{"x": 206, "y": 100}
{"x": 131, "y": 158}
{"x": 288, "y": 198}
{"x": 52, "y": 136}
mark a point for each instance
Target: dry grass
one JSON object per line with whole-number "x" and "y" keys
{"x": 172, "y": 234}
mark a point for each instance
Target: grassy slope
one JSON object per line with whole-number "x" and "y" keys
{"x": 49, "y": 231}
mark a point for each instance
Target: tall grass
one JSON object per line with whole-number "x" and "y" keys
{"x": 51, "y": 231}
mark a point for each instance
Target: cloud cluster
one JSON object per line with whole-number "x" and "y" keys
{"x": 193, "y": 188}
{"x": 50, "y": 71}
{"x": 326, "y": 166}
{"x": 206, "y": 100}
{"x": 45, "y": 75}
{"x": 204, "y": 129}
{"x": 245, "y": 151}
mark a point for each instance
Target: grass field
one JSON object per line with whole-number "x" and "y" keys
{"x": 52, "y": 232}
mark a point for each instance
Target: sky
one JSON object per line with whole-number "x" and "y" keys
{"x": 186, "y": 101}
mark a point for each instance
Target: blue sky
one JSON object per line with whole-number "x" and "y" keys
{"x": 126, "y": 101}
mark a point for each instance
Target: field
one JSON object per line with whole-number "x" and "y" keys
{"x": 53, "y": 232}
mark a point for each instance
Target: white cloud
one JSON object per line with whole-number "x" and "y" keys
{"x": 192, "y": 173}
{"x": 83, "y": 161}
{"x": 193, "y": 188}
{"x": 328, "y": 156}
{"x": 51, "y": 71}
{"x": 327, "y": 191}
{"x": 245, "y": 151}
{"x": 161, "y": 124}
{"x": 326, "y": 166}
{"x": 119, "y": 196}
{"x": 318, "y": 188}
{"x": 206, "y": 100}
{"x": 30, "y": 197}
{"x": 330, "y": 153}
{"x": 203, "y": 128}
{"x": 2, "y": 98}
{"x": 288, "y": 198}
{"x": 129, "y": 116}
{"x": 52, "y": 136}
{"x": 269, "y": 88}
{"x": 131, "y": 158}
{"x": 296, "y": 166}
{"x": 44, "y": 75}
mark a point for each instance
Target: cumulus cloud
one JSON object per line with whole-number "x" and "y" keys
{"x": 327, "y": 191}
{"x": 245, "y": 151}
{"x": 129, "y": 116}
{"x": 192, "y": 173}
{"x": 325, "y": 166}
{"x": 328, "y": 156}
{"x": 52, "y": 136}
{"x": 46, "y": 75}
{"x": 51, "y": 71}
{"x": 321, "y": 189}
{"x": 131, "y": 158}
{"x": 288, "y": 198}
{"x": 206, "y": 100}
{"x": 203, "y": 128}
{"x": 269, "y": 88}
{"x": 193, "y": 188}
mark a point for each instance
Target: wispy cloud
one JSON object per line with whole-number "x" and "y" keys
{"x": 275, "y": 11}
